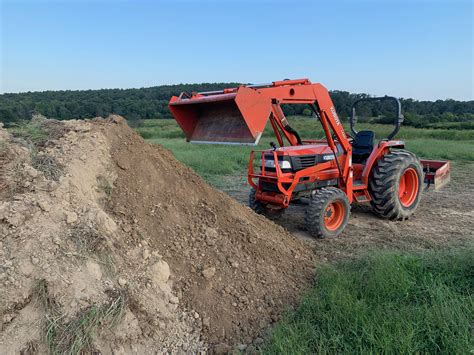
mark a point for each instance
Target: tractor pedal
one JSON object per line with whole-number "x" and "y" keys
{"x": 362, "y": 196}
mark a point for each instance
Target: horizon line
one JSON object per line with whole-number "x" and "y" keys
{"x": 217, "y": 82}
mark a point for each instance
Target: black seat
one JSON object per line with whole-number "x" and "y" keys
{"x": 362, "y": 145}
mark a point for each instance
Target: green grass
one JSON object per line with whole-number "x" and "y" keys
{"x": 385, "y": 303}
{"x": 212, "y": 161}
{"x": 32, "y": 132}
{"x": 458, "y": 150}
{"x": 36, "y": 132}
{"x": 208, "y": 160}
{"x": 310, "y": 128}
{"x": 160, "y": 129}
{"x": 77, "y": 335}
{"x": 452, "y": 125}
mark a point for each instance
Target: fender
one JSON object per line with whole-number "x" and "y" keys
{"x": 379, "y": 150}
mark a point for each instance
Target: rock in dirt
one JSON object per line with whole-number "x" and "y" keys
{"x": 71, "y": 217}
{"x": 160, "y": 272}
{"x": 209, "y": 273}
{"x": 174, "y": 300}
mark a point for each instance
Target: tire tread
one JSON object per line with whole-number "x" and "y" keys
{"x": 316, "y": 208}
{"x": 383, "y": 181}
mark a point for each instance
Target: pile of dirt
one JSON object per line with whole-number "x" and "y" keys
{"x": 123, "y": 249}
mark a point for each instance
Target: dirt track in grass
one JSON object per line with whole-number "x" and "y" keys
{"x": 444, "y": 217}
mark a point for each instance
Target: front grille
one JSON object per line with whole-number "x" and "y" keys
{"x": 299, "y": 162}
{"x": 305, "y": 161}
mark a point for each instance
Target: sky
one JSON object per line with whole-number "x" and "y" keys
{"x": 420, "y": 49}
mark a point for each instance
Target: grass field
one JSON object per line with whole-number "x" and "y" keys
{"x": 385, "y": 303}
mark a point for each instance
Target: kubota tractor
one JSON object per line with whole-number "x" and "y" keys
{"x": 330, "y": 173}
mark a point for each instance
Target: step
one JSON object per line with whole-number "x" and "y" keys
{"x": 362, "y": 199}
{"x": 358, "y": 185}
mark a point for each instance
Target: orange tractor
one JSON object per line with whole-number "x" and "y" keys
{"x": 329, "y": 173}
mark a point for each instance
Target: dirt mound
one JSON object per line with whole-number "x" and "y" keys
{"x": 123, "y": 249}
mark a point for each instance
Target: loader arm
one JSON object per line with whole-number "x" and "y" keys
{"x": 239, "y": 116}
{"x": 317, "y": 97}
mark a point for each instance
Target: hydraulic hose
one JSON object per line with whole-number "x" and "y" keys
{"x": 293, "y": 132}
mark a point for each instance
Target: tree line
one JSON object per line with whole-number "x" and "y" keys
{"x": 152, "y": 102}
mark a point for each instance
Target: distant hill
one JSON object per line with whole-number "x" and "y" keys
{"x": 147, "y": 103}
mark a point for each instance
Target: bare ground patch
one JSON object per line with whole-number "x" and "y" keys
{"x": 443, "y": 218}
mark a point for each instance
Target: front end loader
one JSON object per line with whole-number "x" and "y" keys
{"x": 330, "y": 173}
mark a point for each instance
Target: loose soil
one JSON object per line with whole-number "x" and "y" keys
{"x": 121, "y": 226}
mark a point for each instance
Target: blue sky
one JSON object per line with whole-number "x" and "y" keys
{"x": 419, "y": 49}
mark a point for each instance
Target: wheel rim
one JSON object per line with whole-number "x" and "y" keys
{"x": 408, "y": 187}
{"x": 334, "y": 215}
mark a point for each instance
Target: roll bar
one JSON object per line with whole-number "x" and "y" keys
{"x": 399, "y": 116}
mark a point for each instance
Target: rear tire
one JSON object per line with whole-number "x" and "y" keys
{"x": 263, "y": 208}
{"x": 327, "y": 213}
{"x": 395, "y": 185}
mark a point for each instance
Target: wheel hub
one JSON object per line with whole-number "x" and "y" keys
{"x": 408, "y": 187}
{"x": 329, "y": 211}
{"x": 334, "y": 215}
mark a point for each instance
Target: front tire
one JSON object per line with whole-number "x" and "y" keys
{"x": 327, "y": 213}
{"x": 395, "y": 185}
{"x": 259, "y": 207}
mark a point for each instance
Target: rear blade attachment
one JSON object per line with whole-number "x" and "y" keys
{"x": 238, "y": 117}
{"x": 437, "y": 173}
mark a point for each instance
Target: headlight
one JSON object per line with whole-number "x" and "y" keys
{"x": 284, "y": 164}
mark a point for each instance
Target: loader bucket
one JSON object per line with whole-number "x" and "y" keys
{"x": 238, "y": 117}
{"x": 437, "y": 172}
